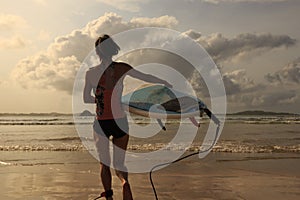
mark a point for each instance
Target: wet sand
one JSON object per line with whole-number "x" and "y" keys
{"x": 220, "y": 176}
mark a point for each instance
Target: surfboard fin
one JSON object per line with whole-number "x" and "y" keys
{"x": 212, "y": 116}
{"x": 161, "y": 124}
{"x": 194, "y": 121}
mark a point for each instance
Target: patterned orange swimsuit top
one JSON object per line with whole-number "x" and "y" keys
{"x": 109, "y": 92}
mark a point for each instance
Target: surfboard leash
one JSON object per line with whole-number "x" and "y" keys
{"x": 179, "y": 159}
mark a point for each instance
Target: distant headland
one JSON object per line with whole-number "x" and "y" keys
{"x": 261, "y": 112}
{"x": 88, "y": 113}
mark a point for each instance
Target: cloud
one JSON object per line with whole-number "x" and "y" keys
{"x": 15, "y": 42}
{"x": 284, "y": 100}
{"x": 243, "y": 92}
{"x": 11, "y": 22}
{"x": 289, "y": 74}
{"x": 5, "y": 83}
{"x": 239, "y": 1}
{"x": 44, "y": 35}
{"x": 237, "y": 82}
{"x": 8, "y": 24}
{"x": 56, "y": 67}
{"x": 193, "y": 34}
{"x": 112, "y": 23}
{"x": 274, "y": 99}
{"x": 126, "y": 5}
{"x": 166, "y": 21}
{"x": 48, "y": 74}
{"x": 228, "y": 49}
{"x": 40, "y": 2}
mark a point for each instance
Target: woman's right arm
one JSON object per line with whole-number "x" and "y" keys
{"x": 87, "y": 97}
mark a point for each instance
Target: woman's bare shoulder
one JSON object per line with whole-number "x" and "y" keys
{"x": 123, "y": 65}
{"x": 91, "y": 70}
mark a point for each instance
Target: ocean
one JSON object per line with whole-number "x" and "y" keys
{"x": 42, "y": 133}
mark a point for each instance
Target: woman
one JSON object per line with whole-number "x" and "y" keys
{"x": 106, "y": 81}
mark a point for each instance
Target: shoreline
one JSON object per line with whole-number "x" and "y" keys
{"x": 74, "y": 175}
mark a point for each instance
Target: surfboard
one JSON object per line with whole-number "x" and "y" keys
{"x": 161, "y": 102}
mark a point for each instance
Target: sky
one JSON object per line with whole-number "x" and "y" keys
{"x": 255, "y": 43}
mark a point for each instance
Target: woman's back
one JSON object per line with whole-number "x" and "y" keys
{"x": 108, "y": 87}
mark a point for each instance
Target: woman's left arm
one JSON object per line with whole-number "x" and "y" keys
{"x": 147, "y": 77}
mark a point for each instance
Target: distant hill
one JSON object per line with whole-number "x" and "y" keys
{"x": 261, "y": 112}
{"x": 36, "y": 114}
{"x": 86, "y": 113}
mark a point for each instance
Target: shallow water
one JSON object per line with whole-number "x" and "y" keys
{"x": 58, "y": 133}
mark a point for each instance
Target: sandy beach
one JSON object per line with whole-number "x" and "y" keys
{"x": 218, "y": 78}
{"x": 218, "y": 176}
{"x": 255, "y": 158}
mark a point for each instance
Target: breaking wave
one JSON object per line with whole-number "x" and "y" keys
{"x": 225, "y": 147}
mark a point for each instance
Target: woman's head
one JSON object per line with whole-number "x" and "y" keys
{"x": 106, "y": 47}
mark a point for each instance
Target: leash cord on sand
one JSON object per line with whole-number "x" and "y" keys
{"x": 179, "y": 159}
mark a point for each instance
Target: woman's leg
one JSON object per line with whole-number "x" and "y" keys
{"x": 120, "y": 146}
{"x": 102, "y": 145}
{"x": 105, "y": 176}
